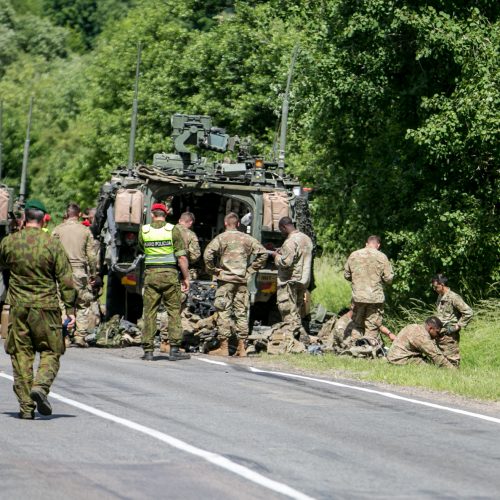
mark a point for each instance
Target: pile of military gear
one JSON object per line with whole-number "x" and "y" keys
{"x": 201, "y": 298}
{"x": 274, "y": 339}
{"x": 337, "y": 336}
{"x": 117, "y": 332}
{"x": 199, "y": 318}
{"x": 366, "y": 347}
{"x": 327, "y": 333}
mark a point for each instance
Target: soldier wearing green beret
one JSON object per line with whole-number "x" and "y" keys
{"x": 37, "y": 264}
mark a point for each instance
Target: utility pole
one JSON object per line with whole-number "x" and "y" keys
{"x": 24, "y": 170}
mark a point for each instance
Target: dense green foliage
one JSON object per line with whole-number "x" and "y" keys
{"x": 394, "y": 113}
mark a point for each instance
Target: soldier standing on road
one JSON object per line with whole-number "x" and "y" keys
{"x": 164, "y": 249}
{"x": 454, "y": 313}
{"x": 37, "y": 263}
{"x": 95, "y": 313}
{"x": 79, "y": 244}
{"x": 368, "y": 269}
{"x": 415, "y": 344}
{"x": 232, "y": 257}
{"x": 193, "y": 253}
{"x": 294, "y": 263}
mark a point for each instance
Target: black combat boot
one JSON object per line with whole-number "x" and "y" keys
{"x": 42, "y": 403}
{"x": 26, "y": 416}
{"x": 148, "y": 356}
{"x": 176, "y": 354}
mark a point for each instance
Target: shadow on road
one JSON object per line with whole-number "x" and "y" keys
{"x": 15, "y": 414}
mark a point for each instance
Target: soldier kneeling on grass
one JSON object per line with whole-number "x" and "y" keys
{"x": 416, "y": 344}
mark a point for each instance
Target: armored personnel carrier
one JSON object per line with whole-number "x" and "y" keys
{"x": 232, "y": 180}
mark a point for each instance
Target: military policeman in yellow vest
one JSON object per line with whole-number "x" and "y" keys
{"x": 163, "y": 246}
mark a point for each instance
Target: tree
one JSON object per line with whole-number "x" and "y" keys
{"x": 403, "y": 102}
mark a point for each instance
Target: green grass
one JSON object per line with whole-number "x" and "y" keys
{"x": 332, "y": 290}
{"x": 479, "y": 373}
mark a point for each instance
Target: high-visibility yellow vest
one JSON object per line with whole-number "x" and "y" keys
{"x": 158, "y": 245}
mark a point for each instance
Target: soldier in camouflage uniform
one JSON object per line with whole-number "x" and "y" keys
{"x": 163, "y": 247}
{"x": 368, "y": 269}
{"x": 294, "y": 263}
{"x": 343, "y": 337}
{"x": 36, "y": 263}
{"x": 228, "y": 257}
{"x": 79, "y": 244}
{"x": 415, "y": 344}
{"x": 454, "y": 313}
{"x": 193, "y": 254}
{"x": 95, "y": 313}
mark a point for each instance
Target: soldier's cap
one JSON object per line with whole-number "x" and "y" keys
{"x": 159, "y": 206}
{"x": 36, "y": 205}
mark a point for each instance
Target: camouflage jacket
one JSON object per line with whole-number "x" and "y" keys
{"x": 36, "y": 262}
{"x": 452, "y": 310}
{"x": 232, "y": 256}
{"x": 413, "y": 341}
{"x": 191, "y": 243}
{"x": 294, "y": 260}
{"x": 336, "y": 332}
{"x": 368, "y": 269}
{"x": 79, "y": 244}
{"x": 342, "y": 331}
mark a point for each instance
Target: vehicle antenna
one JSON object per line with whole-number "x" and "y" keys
{"x": 133, "y": 123}
{"x": 284, "y": 115}
{"x": 24, "y": 171}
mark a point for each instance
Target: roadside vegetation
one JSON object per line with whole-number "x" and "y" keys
{"x": 331, "y": 289}
{"x": 479, "y": 373}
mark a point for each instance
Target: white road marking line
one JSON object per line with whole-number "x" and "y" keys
{"x": 206, "y": 360}
{"x": 213, "y": 458}
{"x": 380, "y": 393}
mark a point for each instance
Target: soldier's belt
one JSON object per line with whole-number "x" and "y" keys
{"x": 161, "y": 266}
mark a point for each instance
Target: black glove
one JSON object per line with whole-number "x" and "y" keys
{"x": 97, "y": 283}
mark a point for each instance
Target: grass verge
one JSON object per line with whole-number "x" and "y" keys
{"x": 332, "y": 290}
{"x": 479, "y": 373}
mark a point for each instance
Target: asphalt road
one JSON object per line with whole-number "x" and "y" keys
{"x": 191, "y": 429}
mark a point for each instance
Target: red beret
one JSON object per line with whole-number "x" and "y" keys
{"x": 159, "y": 206}
{"x": 86, "y": 222}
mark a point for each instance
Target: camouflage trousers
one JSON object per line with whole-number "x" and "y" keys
{"x": 232, "y": 302}
{"x": 410, "y": 360}
{"x": 161, "y": 285}
{"x": 33, "y": 330}
{"x": 449, "y": 344}
{"x": 186, "y": 320}
{"x": 84, "y": 300}
{"x": 290, "y": 299}
{"x": 367, "y": 319}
